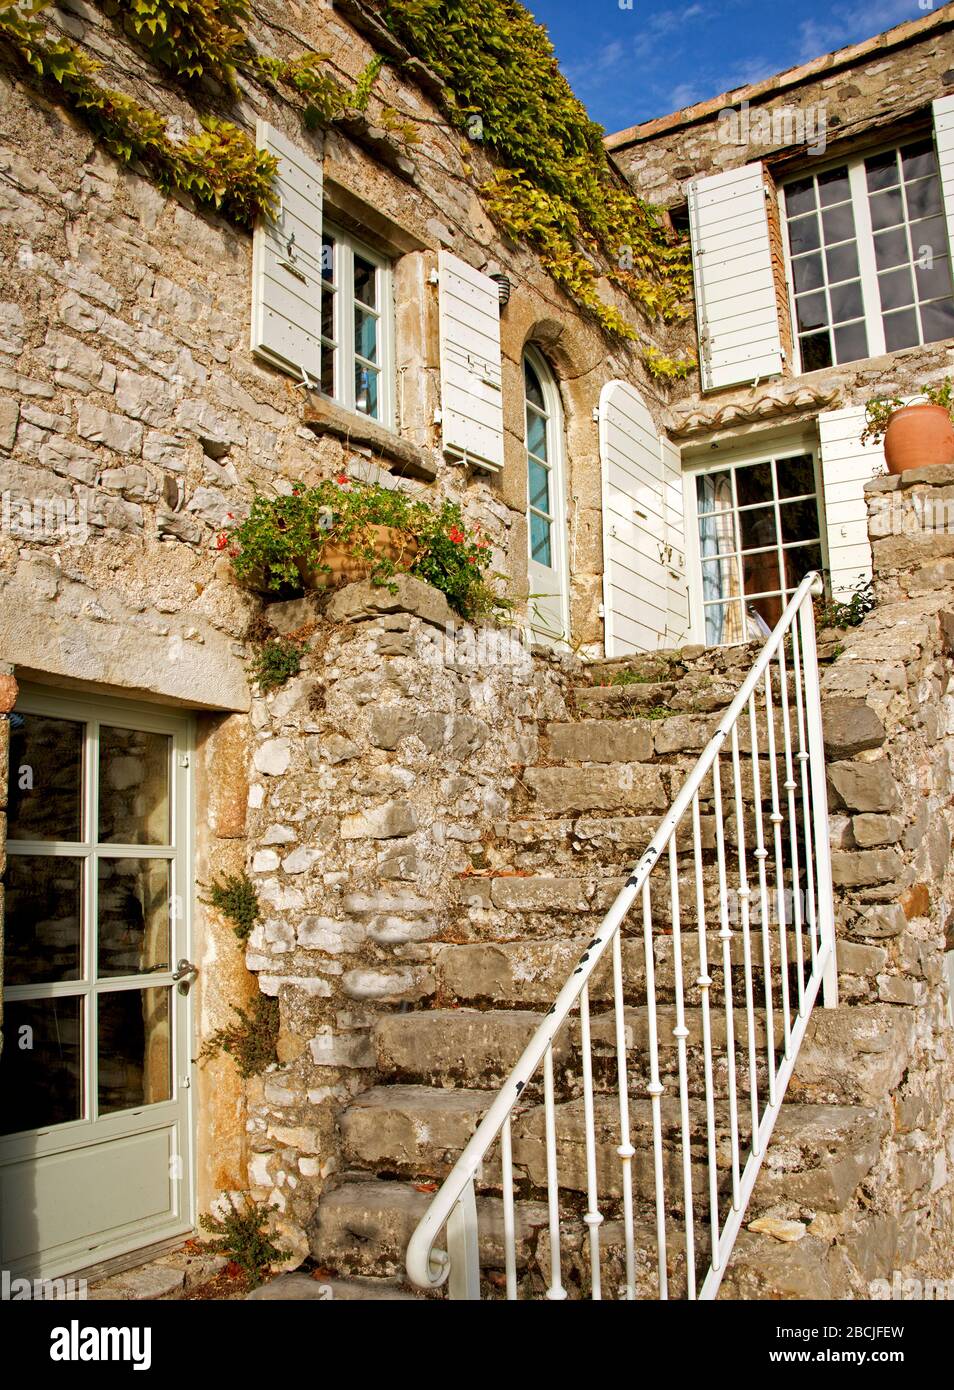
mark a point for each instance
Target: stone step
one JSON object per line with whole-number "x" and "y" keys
{"x": 638, "y": 788}
{"x": 305, "y": 1288}
{"x": 477, "y": 1048}
{"x": 636, "y": 740}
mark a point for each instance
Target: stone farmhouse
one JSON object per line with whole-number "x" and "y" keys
{"x": 387, "y": 866}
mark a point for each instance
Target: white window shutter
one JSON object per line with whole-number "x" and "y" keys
{"x": 286, "y": 263}
{"x": 471, "y": 398}
{"x": 643, "y": 579}
{"x": 944, "y": 140}
{"x": 736, "y": 299}
{"x": 846, "y": 465}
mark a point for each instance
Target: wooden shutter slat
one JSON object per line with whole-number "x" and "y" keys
{"x": 471, "y": 397}
{"x": 846, "y": 465}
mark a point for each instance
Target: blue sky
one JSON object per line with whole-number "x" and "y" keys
{"x": 629, "y": 65}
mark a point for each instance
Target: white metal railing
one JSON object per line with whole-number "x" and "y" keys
{"x": 790, "y": 936}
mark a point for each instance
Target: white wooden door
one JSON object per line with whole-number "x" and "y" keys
{"x": 95, "y": 1154}
{"x": 645, "y": 597}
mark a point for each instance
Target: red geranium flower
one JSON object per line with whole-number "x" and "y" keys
{"x": 221, "y": 540}
{"x": 342, "y": 479}
{"x": 456, "y": 535}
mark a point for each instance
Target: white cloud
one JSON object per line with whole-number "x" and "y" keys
{"x": 853, "y": 23}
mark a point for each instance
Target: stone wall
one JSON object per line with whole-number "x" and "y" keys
{"x": 362, "y": 840}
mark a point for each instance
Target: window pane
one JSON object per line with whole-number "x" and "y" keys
{"x": 134, "y": 1049}
{"x": 365, "y": 281}
{"x": 327, "y": 258}
{"x": 758, "y": 528}
{"x": 328, "y": 357}
{"x": 41, "y": 1066}
{"x": 539, "y": 487}
{"x": 838, "y": 223}
{"x": 328, "y": 314}
{"x": 366, "y": 390}
{"x": 720, "y": 578}
{"x": 541, "y": 549}
{"x": 717, "y": 535}
{"x": 536, "y": 434}
{"x": 724, "y": 624}
{"x": 46, "y": 778}
{"x": 882, "y": 171}
{"x": 901, "y": 330}
{"x": 134, "y": 925}
{"x": 896, "y": 288}
{"x": 811, "y": 311}
{"x": 365, "y": 335}
{"x": 891, "y": 248}
{"x": 918, "y": 160}
{"x": 846, "y": 302}
{"x": 760, "y": 572}
{"x": 799, "y": 196}
{"x": 796, "y": 476}
{"x": 753, "y": 484}
{"x": 44, "y": 926}
{"x": 924, "y": 198}
{"x": 851, "y": 342}
{"x": 842, "y": 262}
{"x": 804, "y": 234}
{"x": 532, "y": 387}
{"x": 929, "y": 239}
{"x": 938, "y": 320}
{"x": 834, "y": 187}
{"x": 887, "y": 209}
{"x": 799, "y": 521}
{"x": 807, "y": 273}
{"x": 799, "y": 562}
{"x": 934, "y": 281}
{"x": 134, "y": 804}
{"x": 816, "y": 352}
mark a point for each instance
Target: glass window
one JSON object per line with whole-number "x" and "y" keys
{"x": 355, "y": 337}
{"x": 540, "y": 483}
{"x": 891, "y": 292}
{"x": 759, "y": 535}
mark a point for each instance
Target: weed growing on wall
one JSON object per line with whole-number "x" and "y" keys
{"x": 234, "y": 896}
{"x": 251, "y": 1041}
{"x": 241, "y": 1233}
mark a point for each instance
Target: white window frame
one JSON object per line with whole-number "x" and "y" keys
{"x": 556, "y": 466}
{"x": 734, "y": 455}
{"x": 864, "y": 236}
{"x": 346, "y": 247}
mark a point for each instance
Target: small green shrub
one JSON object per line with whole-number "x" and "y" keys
{"x": 242, "y": 1235}
{"x": 629, "y": 677}
{"x": 835, "y": 613}
{"x": 252, "y": 1041}
{"x": 276, "y": 661}
{"x": 235, "y": 897}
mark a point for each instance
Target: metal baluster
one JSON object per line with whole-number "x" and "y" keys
{"x": 761, "y": 854}
{"x": 626, "y": 1151}
{"x": 725, "y": 936}
{"x": 776, "y": 819}
{"x": 802, "y": 758}
{"x": 655, "y": 1090}
{"x": 681, "y": 1033}
{"x": 791, "y": 786}
{"x": 705, "y": 984}
{"x": 463, "y": 1284}
{"x": 592, "y": 1218}
{"x": 824, "y": 900}
{"x": 509, "y": 1223}
{"x": 744, "y": 896}
{"x": 556, "y": 1291}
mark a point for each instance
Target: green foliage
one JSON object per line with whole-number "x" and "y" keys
{"x": 281, "y": 542}
{"x": 251, "y": 1041}
{"x": 276, "y": 661}
{"x": 219, "y": 166}
{"x": 835, "y": 613}
{"x": 879, "y": 409}
{"x": 193, "y": 38}
{"x": 242, "y": 1234}
{"x": 235, "y": 897}
{"x": 629, "y": 677}
{"x": 555, "y": 187}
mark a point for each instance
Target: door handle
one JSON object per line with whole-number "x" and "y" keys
{"x": 183, "y": 975}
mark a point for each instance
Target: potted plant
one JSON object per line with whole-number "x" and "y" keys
{"x": 919, "y": 434}
{"x": 346, "y": 529}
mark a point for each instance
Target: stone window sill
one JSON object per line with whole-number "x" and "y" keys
{"x": 393, "y": 453}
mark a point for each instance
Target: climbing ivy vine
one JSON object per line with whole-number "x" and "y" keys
{"x": 555, "y": 188}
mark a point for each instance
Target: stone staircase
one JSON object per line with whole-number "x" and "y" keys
{"x": 582, "y": 815}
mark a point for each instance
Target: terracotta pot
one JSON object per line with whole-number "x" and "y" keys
{"x": 918, "y": 436}
{"x": 344, "y": 567}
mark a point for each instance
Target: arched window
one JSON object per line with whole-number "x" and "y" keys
{"x": 546, "y": 501}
